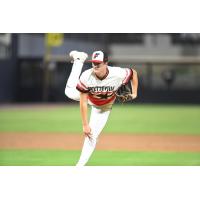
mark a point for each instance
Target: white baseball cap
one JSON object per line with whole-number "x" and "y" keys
{"x": 99, "y": 57}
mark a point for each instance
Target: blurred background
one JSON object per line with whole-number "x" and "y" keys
{"x": 35, "y": 67}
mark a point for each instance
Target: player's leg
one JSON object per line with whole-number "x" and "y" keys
{"x": 78, "y": 60}
{"x": 98, "y": 120}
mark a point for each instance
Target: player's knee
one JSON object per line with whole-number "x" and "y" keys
{"x": 72, "y": 94}
{"x": 67, "y": 93}
{"x": 94, "y": 139}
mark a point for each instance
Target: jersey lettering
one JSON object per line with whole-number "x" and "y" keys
{"x": 101, "y": 89}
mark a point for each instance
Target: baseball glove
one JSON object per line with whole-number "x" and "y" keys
{"x": 124, "y": 93}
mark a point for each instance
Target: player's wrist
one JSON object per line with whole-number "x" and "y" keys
{"x": 134, "y": 95}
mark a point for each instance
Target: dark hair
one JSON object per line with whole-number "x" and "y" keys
{"x": 105, "y": 57}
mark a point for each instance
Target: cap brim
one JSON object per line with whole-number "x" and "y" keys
{"x": 95, "y": 61}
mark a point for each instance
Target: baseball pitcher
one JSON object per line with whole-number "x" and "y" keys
{"x": 99, "y": 87}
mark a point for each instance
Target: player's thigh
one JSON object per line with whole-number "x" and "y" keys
{"x": 98, "y": 120}
{"x": 72, "y": 93}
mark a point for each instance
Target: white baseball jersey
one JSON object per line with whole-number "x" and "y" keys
{"x": 102, "y": 91}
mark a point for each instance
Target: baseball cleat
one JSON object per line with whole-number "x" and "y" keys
{"x": 76, "y": 55}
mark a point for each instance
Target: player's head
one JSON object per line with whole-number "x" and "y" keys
{"x": 99, "y": 62}
{"x": 99, "y": 57}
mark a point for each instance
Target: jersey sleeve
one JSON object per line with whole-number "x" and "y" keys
{"x": 82, "y": 84}
{"x": 126, "y": 75}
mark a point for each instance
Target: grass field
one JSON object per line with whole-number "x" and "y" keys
{"x": 131, "y": 119}
{"x": 99, "y": 158}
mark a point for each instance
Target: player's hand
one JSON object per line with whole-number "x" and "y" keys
{"x": 134, "y": 95}
{"x": 87, "y": 131}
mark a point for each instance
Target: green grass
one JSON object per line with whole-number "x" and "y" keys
{"x": 136, "y": 119}
{"x": 99, "y": 158}
{"x": 66, "y": 119}
{"x": 145, "y": 159}
{"x": 162, "y": 119}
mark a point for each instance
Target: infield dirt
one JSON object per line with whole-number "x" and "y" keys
{"x": 115, "y": 142}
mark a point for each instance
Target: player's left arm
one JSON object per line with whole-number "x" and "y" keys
{"x": 134, "y": 84}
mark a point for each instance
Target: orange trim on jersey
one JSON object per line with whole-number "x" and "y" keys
{"x": 96, "y": 93}
{"x": 83, "y": 84}
{"x": 100, "y": 102}
{"x": 129, "y": 74}
{"x": 81, "y": 89}
{"x": 125, "y": 76}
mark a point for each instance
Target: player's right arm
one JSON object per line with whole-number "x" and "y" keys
{"x": 134, "y": 84}
{"x": 84, "y": 114}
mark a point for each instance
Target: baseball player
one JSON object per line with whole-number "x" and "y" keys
{"x": 97, "y": 87}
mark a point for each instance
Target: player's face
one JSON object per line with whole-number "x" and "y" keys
{"x": 99, "y": 67}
